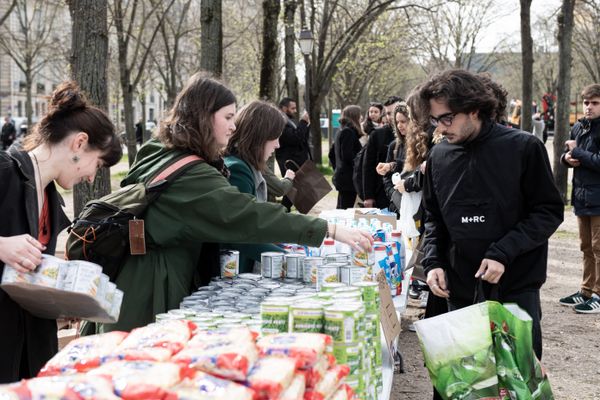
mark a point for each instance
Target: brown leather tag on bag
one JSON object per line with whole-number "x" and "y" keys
{"x": 137, "y": 239}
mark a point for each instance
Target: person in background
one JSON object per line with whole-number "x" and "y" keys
{"x": 373, "y": 120}
{"x": 9, "y": 133}
{"x": 139, "y": 132}
{"x": 201, "y": 207}
{"x": 258, "y": 128}
{"x": 294, "y": 141}
{"x": 276, "y": 186}
{"x": 346, "y": 147}
{"x": 68, "y": 146}
{"x": 538, "y": 126}
{"x": 490, "y": 200}
{"x": 376, "y": 152}
{"x": 581, "y": 154}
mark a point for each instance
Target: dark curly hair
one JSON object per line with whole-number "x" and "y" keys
{"x": 463, "y": 91}
{"x": 500, "y": 93}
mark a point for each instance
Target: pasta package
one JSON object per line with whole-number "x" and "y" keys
{"x": 296, "y": 389}
{"x": 137, "y": 380}
{"x": 271, "y": 376}
{"x": 67, "y": 387}
{"x": 207, "y": 387}
{"x": 156, "y": 342}
{"x": 305, "y": 347}
{"x": 329, "y": 384}
{"x": 83, "y": 354}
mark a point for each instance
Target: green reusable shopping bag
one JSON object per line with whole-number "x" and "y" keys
{"x": 520, "y": 374}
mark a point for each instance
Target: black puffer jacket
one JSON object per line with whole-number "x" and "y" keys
{"x": 376, "y": 152}
{"x": 346, "y": 147}
{"x": 585, "y": 195}
{"x": 495, "y": 198}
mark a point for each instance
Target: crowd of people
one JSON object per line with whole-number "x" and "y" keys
{"x": 478, "y": 195}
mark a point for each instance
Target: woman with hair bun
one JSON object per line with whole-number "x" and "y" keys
{"x": 67, "y": 146}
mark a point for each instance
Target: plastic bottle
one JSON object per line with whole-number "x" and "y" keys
{"x": 328, "y": 247}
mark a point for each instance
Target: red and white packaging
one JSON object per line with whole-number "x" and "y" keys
{"x": 345, "y": 392}
{"x": 207, "y": 387}
{"x": 271, "y": 376}
{"x": 305, "y": 347}
{"x": 83, "y": 354}
{"x": 296, "y": 389}
{"x": 14, "y": 391}
{"x": 315, "y": 373}
{"x": 329, "y": 384}
{"x": 156, "y": 342}
{"x": 67, "y": 387}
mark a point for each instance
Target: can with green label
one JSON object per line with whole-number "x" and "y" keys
{"x": 306, "y": 317}
{"x": 275, "y": 314}
{"x": 369, "y": 290}
{"x": 350, "y": 354}
{"x": 341, "y": 323}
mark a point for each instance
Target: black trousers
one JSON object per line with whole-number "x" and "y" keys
{"x": 528, "y": 300}
{"x": 346, "y": 199}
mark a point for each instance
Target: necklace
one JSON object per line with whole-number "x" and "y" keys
{"x": 39, "y": 192}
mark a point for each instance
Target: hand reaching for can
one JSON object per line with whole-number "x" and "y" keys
{"x": 355, "y": 238}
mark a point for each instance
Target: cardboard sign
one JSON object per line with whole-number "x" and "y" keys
{"x": 387, "y": 312}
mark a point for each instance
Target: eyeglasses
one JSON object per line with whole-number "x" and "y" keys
{"x": 444, "y": 119}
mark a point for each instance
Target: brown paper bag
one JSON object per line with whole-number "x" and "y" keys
{"x": 309, "y": 187}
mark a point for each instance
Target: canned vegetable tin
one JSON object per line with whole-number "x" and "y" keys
{"x": 230, "y": 263}
{"x": 271, "y": 264}
{"x": 293, "y": 266}
{"x": 306, "y": 317}
{"x": 341, "y": 323}
{"x": 275, "y": 314}
{"x": 309, "y": 269}
{"x": 327, "y": 273}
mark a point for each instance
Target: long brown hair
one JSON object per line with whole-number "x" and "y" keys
{"x": 400, "y": 139}
{"x": 189, "y": 125}
{"x": 70, "y": 112}
{"x": 351, "y": 116}
{"x": 255, "y": 124}
{"x": 417, "y": 140}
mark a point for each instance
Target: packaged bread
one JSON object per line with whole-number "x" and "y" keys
{"x": 305, "y": 347}
{"x": 83, "y": 353}
{"x": 271, "y": 376}
{"x": 71, "y": 387}
{"x": 296, "y": 389}
{"x": 138, "y": 380}
{"x": 228, "y": 353}
{"x": 155, "y": 342}
{"x": 204, "y": 386}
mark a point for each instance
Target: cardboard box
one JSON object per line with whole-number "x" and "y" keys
{"x": 370, "y": 213}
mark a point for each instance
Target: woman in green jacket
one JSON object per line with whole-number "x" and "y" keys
{"x": 201, "y": 207}
{"x": 257, "y": 129}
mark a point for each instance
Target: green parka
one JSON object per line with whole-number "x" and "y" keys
{"x": 200, "y": 206}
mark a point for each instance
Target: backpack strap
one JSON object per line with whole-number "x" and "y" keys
{"x": 172, "y": 171}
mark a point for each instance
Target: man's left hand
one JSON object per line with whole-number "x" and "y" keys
{"x": 490, "y": 270}
{"x": 571, "y": 144}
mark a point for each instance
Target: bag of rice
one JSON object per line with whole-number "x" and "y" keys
{"x": 207, "y": 387}
{"x": 14, "y": 391}
{"x": 67, "y": 387}
{"x": 296, "y": 389}
{"x": 156, "y": 342}
{"x": 345, "y": 392}
{"x": 315, "y": 373}
{"x": 329, "y": 384}
{"x": 271, "y": 376}
{"x": 228, "y": 353}
{"x": 305, "y": 347}
{"x": 138, "y": 380}
{"x": 83, "y": 354}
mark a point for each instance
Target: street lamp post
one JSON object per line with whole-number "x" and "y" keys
{"x": 306, "y": 41}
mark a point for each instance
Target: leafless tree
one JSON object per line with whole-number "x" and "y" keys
{"x": 291, "y": 80}
{"x": 527, "y": 65}
{"x": 136, "y": 31}
{"x": 586, "y": 37}
{"x": 89, "y": 63}
{"x": 6, "y": 14}
{"x": 270, "y": 49}
{"x": 211, "y": 37}
{"x": 565, "y": 32}
{"x": 31, "y": 44}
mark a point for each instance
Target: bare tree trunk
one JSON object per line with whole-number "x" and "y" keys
{"x": 268, "y": 68}
{"x": 128, "y": 112}
{"x": 89, "y": 64}
{"x": 28, "y": 100}
{"x": 561, "y": 131}
{"x": 291, "y": 80}
{"x": 211, "y": 37}
{"x": 313, "y": 106}
{"x": 527, "y": 63}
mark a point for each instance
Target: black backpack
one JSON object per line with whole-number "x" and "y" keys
{"x": 100, "y": 234}
{"x": 357, "y": 171}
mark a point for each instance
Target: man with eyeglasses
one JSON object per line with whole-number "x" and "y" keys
{"x": 490, "y": 199}
{"x": 582, "y": 153}
{"x": 376, "y": 153}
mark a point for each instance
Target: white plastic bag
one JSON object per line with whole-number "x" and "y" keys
{"x": 408, "y": 208}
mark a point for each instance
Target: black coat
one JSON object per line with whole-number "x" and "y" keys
{"x": 494, "y": 198}
{"x": 376, "y": 152}
{"x": 346, "y": 147}
{"x": 585, "y": 195}
{"x": 293, "y": 144}
{"x": 26, "y": 342}
{"x": 388, "y": 185}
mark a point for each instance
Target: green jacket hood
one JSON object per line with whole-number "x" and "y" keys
{"x": 149, "y": 159}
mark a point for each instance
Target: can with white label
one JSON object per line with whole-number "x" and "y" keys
{"x": 272, "y": 265}
{"x": 293, "y": 266}
{"x": 230, "y": 263}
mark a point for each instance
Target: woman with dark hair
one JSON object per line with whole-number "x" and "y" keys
{"x": 201, "y": 207}
{"x": 347, "y": 145}
{"x": 373, "y": 119}
{"x": 258, "y": 128}
{"x": 71, "y": 142}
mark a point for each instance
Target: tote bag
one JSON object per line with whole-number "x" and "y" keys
{"x": 309, "y": 186}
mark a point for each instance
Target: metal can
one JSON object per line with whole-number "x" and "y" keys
{"x": 293, "y": 266}
{"x": 330, "y": 287}
{"x": 337, "y": 258}
{"x": 275, "y": 315}
{"x": 271, "y": 264}
{"x": 327, "y": 273}
{"x": 230, "y": 263}
{"x": 369, "y": 290}
{"x": 310, "y": 266}
{"x": 341, "y": 323}
{"x": 351, "y": 274}
{"x": 350, "y": 354}
{"x": 306, "y": 317}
